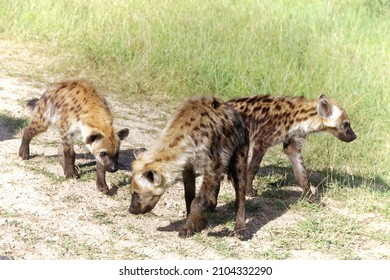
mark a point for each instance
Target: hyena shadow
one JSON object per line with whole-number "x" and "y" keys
{"x": 260, "y": 210}
{"x": 276, "y": 177}
{"x": 126, "y": 157}
{"x": 86, "y": 166}
{"x": 10, "y": 126}
{"x": 277, "y": 191}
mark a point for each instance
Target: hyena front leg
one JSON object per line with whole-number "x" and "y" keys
{"x": 254, "y": 166}
{"x": 37, "y": 126}
{"x": 101, "y": 178}
{"x": 189, "y": 187}
{"x": 292, "y": 148}
{"x": 213, "y": 198}
{"x": 67, "y": 157}
{"x": 196, "y": 220}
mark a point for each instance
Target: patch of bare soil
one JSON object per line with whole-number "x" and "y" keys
{"x": 44, "y": 216}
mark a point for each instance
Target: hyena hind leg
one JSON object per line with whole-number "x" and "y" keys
{"x": 239, "y": 181}
{"x": 29, "y": 133}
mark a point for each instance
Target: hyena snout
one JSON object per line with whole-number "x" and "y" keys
{"x": 347, "y": 134}
{"x": 112, "y": 167}
{"x": 142, "y": 205}
{"x": 110, "y": 163}
{"x": 349, "y": 137}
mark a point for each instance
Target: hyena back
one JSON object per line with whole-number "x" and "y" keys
{"x": 288, "y": 120}
{"x": 204, "y": 136}
{"x": 76, "y": 107}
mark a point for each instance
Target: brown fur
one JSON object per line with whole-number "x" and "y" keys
{"x": 272, "y": 120}
{"x": 204, "y": 136}
{"x": 76, "y": 107}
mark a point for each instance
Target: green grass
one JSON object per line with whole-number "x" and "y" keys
{"x": 172, "y": 49}
{"x": 71, "y": 248}
{"x": 13, "y": 124}
{"x": 55, "y": 178}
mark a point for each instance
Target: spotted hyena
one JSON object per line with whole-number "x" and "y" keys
{"x": 76, "y": 107}
{"x": 272, "y": 120}
{"x": 207, "y": 137}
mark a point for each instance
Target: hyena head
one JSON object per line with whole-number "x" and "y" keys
{"x": 148, "y": 184}
{"x": 105, "y": 148}
{"x": 335, "y": 120}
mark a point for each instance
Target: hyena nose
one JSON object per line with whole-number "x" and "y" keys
{"x": 352, "y": 136}
{"x": 113, "y": 168}
{"x": 135, "y": 206}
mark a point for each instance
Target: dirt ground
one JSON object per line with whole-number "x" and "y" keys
{"x": 43, "y": 216}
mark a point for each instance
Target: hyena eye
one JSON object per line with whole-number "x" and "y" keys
{"x": 346, "y": 125}
{"x": 103, "y": 154}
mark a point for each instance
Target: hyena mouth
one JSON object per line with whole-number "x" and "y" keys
{"x": 349, "y": 137}
{"x": 111, "y": 166}
{"x": 136, "y": 210}
{"x": 136, "y": 206}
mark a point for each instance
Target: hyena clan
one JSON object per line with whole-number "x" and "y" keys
{"x": 272, "y": 120}
{"x": 76, "y": 107}
{"x": 205, "y": 136}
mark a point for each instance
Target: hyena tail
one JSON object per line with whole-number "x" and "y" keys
{"x": 32, "y": 103}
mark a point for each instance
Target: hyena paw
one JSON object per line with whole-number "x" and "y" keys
{"x": 195, "y": 223}
{"x": 73, "y": 174}
{"x": 186, "y": 232}
{"x": 242, "y": 234}
{"x": 251, "y": 192}
{"x": 311, "y": 195}
{"x": 103, "y": 188}
{"x": 212, "y": 206}
{"x": 24, "y": 153}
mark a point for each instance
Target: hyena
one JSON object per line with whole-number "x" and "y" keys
{"x": 271, "y": 120}
{"x": 76, "y": 107}
{"x": 206, "y": 137}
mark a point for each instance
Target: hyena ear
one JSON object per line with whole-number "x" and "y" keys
{"x": 322, "y": 96}
{"x": 324, "y": 108}
{"x": 153, "y": 177}
{"x": 93, "y": 137}
{"x": 123, "y": 133}
{"x": 139, "y": 151}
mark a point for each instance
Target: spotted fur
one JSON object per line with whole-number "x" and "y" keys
{"x": 288, "y": 120}
{"x": 76, "y": 107}
{"x": 204, "y": 136}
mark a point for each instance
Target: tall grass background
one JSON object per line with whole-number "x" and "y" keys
{"x": 173, "y": 49}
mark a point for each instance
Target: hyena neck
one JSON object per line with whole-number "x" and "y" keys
{"x": 171, "y": 161}
{"x": 306, "y": 119}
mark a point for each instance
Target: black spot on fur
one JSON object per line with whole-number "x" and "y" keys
{"x": 215, "y": 104}
{"x": 267, "y": 100}
{"x": 265, "y": 110}
{"x": 32, "y": 103}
